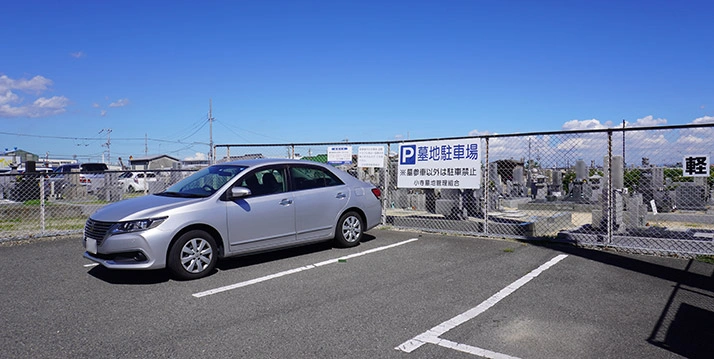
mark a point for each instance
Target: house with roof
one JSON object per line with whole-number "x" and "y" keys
{"x": 157, "y": 162}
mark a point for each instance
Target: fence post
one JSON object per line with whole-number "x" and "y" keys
{"x": 610, "y": 213}
{"x": 42, "y": 204}
{"x": 486, "y": 189}
{"x": 386, "y": 181}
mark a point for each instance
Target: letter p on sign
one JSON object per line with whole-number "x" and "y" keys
{"x": 407, "y": 155}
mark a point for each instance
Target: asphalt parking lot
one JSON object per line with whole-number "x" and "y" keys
{"x": 397, "y": 295}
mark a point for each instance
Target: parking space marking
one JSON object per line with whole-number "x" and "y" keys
{"x": 433, "y": 335}
{"x": 296, "y": 270}
{"x": 91, "y": 265}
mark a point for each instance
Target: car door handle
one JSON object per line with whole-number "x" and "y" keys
{"x": 286, "y": 202}
{"x": 341, "y": 196}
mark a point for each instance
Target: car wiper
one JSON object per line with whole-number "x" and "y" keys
{"x": 180, "y": 194}
{"x": 168, "y": 194}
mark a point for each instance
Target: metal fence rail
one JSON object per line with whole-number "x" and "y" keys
{"x": 623, "y": 187}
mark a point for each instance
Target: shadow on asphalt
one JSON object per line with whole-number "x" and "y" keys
{"x": 627, "y": 261}
{"x": 144, "y": 277}
{"x": 686, "y": 323}
{"x": 253, "y": 259}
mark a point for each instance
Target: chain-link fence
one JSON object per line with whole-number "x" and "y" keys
{"x": 640, "y": 189}
{"x": 554, "y": 185}
{"x": 50, "y": 204}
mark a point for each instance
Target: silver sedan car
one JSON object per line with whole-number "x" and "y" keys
{"x": 230, "y": 209}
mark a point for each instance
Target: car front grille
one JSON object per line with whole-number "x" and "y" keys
{"x": 96, "y": 229}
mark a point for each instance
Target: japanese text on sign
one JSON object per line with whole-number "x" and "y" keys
{"x": 339, "y": 155}
{"x": 695, "y": 166}
{"x": 440, "y": 164}
{"x": 370, "y": 156}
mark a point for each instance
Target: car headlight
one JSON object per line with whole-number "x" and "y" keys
{"x": 136, "y": 226}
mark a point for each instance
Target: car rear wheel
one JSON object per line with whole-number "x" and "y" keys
{"x": 349, "y": 230}
{"x": 193, "y": 255}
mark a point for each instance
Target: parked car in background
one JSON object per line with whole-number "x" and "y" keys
{"x": 91, "y": 175}
{"x": 232, "y": 209}
{"x": 136, "y": 181}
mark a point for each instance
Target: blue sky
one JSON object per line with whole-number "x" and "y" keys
{"x": 324, "y": 71}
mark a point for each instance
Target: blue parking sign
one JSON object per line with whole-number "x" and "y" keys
{"x": 407, "y": 155}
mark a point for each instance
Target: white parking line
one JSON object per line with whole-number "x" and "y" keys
{"x": 296, "y": 270}
{"x": 432, "y": 335}
{"x": 91, "y": 265}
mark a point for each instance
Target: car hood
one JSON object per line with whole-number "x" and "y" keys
{"x": 141, "y": 207}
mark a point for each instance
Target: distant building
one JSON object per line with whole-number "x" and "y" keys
{"x": 19, "y": 156}
{"x": 249, "y": 156}
{"x": 194, "y": 164}
{"x": 157, "y": 162}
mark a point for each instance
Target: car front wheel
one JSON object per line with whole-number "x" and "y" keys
{"x": 349, "y": 230}
{"x": 193, "y": 255}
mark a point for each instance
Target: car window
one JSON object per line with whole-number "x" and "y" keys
{"x": 125, "y": 175}
{"x": 265, "y": 181}
{"x": 94, "y": 167}
{"x": 304, "y": 177}
{"x": 66, "y": 168}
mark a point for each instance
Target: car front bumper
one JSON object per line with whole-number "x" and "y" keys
{"x": 138, "y": 250}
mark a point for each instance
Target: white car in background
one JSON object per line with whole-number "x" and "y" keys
{"x": 88, "y": 175}
{"x": 136, "y": 181}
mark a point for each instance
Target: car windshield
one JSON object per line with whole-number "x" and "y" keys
{"x": 204, "y": 182}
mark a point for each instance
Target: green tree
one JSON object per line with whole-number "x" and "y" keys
{"x": 632, "y": 179}
{"x": 568, "y": 178}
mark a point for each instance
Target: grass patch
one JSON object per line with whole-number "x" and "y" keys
{"x": 509, "y": 250}
{"x": 705, "y": 259}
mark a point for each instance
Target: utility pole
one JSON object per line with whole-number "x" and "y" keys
{"x": 108, "y": 144}
{"x": 212, "y": 154}
{"x": 146, "y": 145}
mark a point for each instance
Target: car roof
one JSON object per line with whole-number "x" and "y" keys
{"x": 270, "y": 161}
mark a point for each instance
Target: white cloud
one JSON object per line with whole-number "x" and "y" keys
{"x": 12, "y": 105}
{"x": 197, "y": 157}
{"x": 476, "y": 132}
{"x": 36, "y": 84}
{"x": 701, "y": 137}
{"x": 55, "y": 102}
{"x": 95, "y": 105}
{"x": 8, "y": 98}
{"x": 705, "y": 119}
{"x": 120, "y": 103}
{"x": 103, "y": 113}
{"x": 583, "y": 125}
{"x": 647, "y": 121}
{"x": 78, "y": 54}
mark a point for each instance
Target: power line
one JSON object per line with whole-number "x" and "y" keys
{"x": 100, "y": 139}
{"x": 230, "y": 128}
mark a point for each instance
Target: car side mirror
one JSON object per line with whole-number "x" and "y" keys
{"x": 239, "y": 192}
